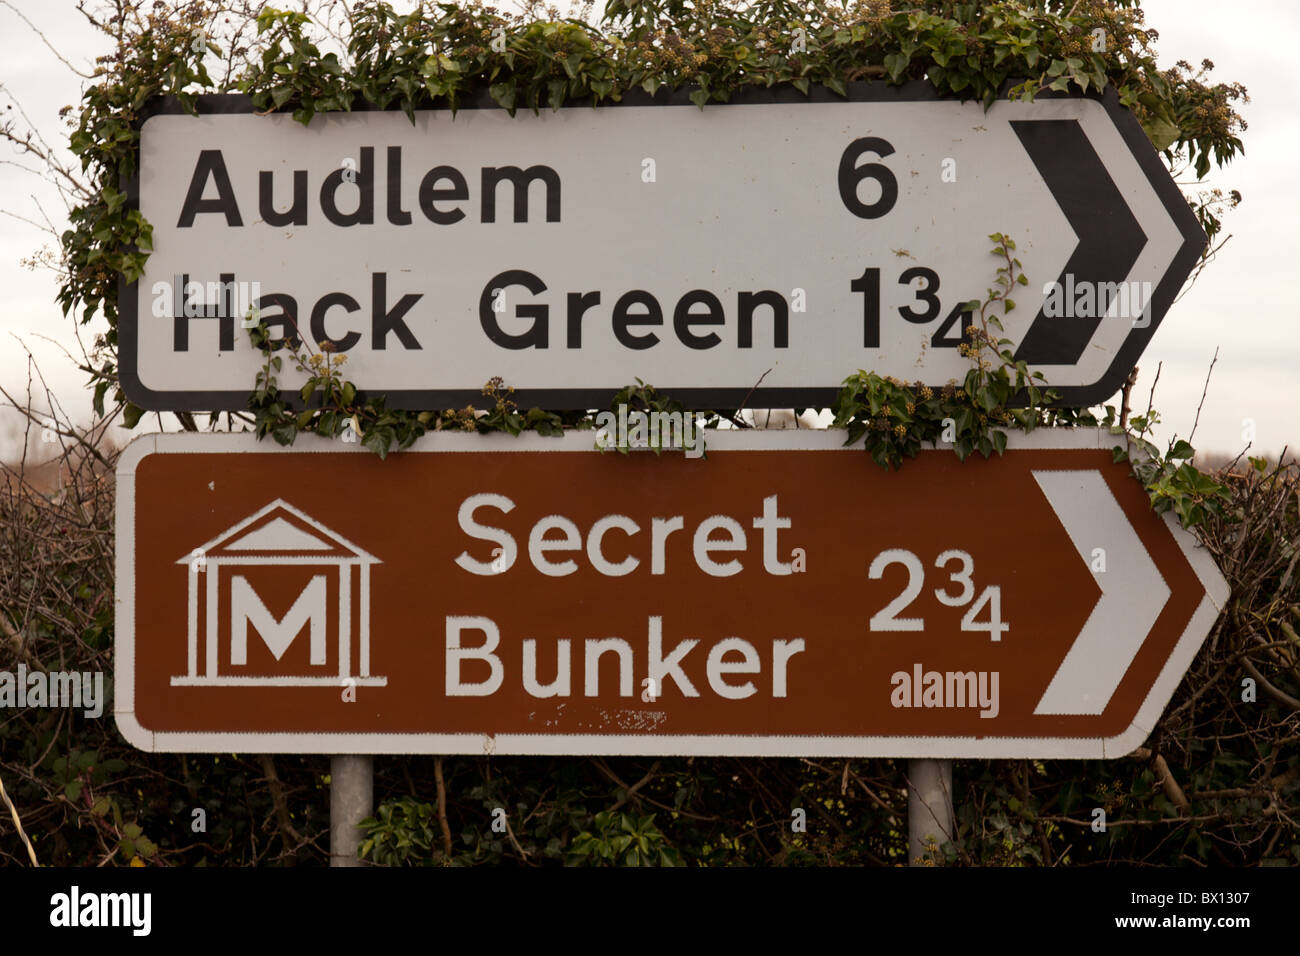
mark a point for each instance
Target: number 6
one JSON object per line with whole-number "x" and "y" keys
{"x": 850, "y": 177}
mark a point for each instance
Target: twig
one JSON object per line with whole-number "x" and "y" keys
{"x": 523, "y": 854}
{"x": 442, "y": 807}
{"x": 1151, "y": 398}
{"x": 1124, "y": 402}
{"x": 277, "y": 800}
{"x": 18, "y": 13}
{"x": 631, "y": 791}
{"x": 1203, "y": 391}
{"x": 1166, "y": 777}
{"x": 1281, "y": 696}
{"x": 751, "y": 392}
{"x": 18, "y": 823}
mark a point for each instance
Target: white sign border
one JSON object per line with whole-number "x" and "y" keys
{"x": 1125, "y": 125}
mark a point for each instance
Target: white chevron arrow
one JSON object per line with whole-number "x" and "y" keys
{"x": 1133, "y": 592}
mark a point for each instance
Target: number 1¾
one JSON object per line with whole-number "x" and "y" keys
{"x": 869, "y": 285}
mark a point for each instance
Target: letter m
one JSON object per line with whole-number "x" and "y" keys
{"x": 246, "y": 608}
{"x": 1109, "y": 293}
{"x": 521, "y": 179}
{"x": 116, "y": 909}
{"x": 667, "y": 427}
{"x": 65, "y": 687}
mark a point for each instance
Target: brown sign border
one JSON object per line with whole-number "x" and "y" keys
{"x": 1215, "y": 596}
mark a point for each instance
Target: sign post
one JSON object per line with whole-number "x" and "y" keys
{"x": 352, "y": 799}
{"x": 929, "y": 808}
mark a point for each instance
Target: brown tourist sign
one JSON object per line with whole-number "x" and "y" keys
{"x": 781, "y": 595}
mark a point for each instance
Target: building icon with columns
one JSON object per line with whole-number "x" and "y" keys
{"x": 317, "y": 579}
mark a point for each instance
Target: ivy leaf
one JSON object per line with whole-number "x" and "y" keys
{"x": 504, "y": 94}
{"x": 378, "y": 440}
{"x": 896, "y": 63}
{"x": 1162, "y": 133}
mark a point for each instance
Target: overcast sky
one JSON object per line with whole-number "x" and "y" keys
{"x": 1243, "y": 304}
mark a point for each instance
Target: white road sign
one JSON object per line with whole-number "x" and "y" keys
{"x": 778, "y": 239}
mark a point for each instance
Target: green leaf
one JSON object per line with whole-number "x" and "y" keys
{"x": 504, "y": 94}
{"x": 896, "y": 64}
{"x": 1162, "y": 133}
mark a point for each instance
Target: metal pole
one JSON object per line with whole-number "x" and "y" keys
{"x": 929, "y": 807}
{"x": 352, "y": 799}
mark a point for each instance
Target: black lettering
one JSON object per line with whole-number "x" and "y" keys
{"x": 925, "y": 294}
{"x": 396, "y": 215}
{"x": 683, "y": 319}
{"x": 210, "y": 164}
{"x": 287, "y": 319}
{"x": 536, "y": 336}
{"x": 430, "y": 193}
{"x": 318, "y": 332}
{"x": 383, "y": 321}
{"x": 850, "y": 177}
{"x": 297, "y": 214}
{"x": 654, "y": 315}
{"x": 364, "y": 214}
{"x": 579, "y": 303}
{"x": 869, "y": 285}
{"x": 942, "y": 340}
{"x": 223, "y": 310}
{"x": 520, "y": 179}
{"x": 748, "y": 302}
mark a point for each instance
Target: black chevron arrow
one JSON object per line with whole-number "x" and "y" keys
{"x": 1110, "y": 239}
